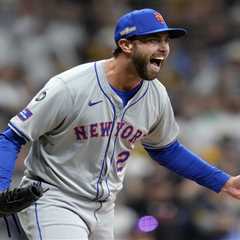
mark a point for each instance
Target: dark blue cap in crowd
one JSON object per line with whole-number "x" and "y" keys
{"x": 143, "y": 22}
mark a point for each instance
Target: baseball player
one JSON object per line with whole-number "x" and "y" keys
{"x": 83, "y": 126}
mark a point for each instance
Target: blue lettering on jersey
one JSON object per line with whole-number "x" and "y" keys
{"x": 25, "y": 114}
{"x": 102, "y": 129}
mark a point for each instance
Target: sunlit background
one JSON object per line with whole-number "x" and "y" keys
{"x": 40, "y": 38}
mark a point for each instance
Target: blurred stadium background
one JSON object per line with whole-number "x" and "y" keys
{"x": 39, "y": 39}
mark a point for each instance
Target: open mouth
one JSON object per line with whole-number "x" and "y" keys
{"x": 157, "y": 61}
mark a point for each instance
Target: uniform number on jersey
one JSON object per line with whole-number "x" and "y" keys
{"x": 121, "y": 160}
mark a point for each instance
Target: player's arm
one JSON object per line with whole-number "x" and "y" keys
{"x": 10, "y": 146}
{"x": 46, "y": 112}
{"x": 182, "y": 161}
{"x": 43, "y": 114}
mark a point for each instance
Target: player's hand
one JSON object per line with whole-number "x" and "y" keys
{"x": 232, "y": 187}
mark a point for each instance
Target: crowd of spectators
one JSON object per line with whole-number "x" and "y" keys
{"x": 39, "y": 39}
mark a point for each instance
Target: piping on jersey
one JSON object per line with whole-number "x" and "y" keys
{"x": 18, "y": 131}
{"x": 112, "y": 157}
{"x": 114, "y": 120}
{"x": 104, "y": 164}
{"x": 37, "y": 221}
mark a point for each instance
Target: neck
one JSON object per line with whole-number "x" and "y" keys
{"x": 121, "y": 74}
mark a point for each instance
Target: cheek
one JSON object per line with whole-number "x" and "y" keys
{"x": 140, "y": 54}
{"x": 167, "y": 50}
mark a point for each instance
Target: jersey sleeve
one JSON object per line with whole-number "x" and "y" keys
{"x": 45, "y": 112}
{"x": 165, "y": 130}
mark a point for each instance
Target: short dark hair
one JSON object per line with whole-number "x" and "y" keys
{"x": 117, "y": 51}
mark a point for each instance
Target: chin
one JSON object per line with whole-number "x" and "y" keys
{"x": 152, "y": 76}
{"x": 149, "y": 78}
{"x": 147, "y": 74}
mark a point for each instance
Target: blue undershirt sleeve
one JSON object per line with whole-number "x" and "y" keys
{"x": 10, "y": 146}
{"x": 182, "y": 161}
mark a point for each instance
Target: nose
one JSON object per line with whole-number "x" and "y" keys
{"x": 163, "y": 47}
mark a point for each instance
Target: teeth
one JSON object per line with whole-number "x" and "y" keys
{"x": 157, "y": 61}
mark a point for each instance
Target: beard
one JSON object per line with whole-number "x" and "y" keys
{"x": 141, "y": 63}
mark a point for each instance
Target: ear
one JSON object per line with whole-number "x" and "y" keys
{"x": 125, "y": 45}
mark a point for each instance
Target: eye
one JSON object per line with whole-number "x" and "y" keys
{"x": 150, "y": 40}
{"x": 157, "y": 40}
{"x": 154, "y": 40}
{"x": 167, "y": 39}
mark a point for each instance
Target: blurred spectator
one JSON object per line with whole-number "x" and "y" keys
{"x": 41, "y": 38}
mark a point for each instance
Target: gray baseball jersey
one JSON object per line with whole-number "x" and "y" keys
{"x": 82, "y": 135}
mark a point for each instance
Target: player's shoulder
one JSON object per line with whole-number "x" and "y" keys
{"x": 76, "y": 73}
{"x": 156, "y": 87}
{"x": 157, "y": 94}
{"x": 78, "y": 78}
{"x": 158, "y": 97}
